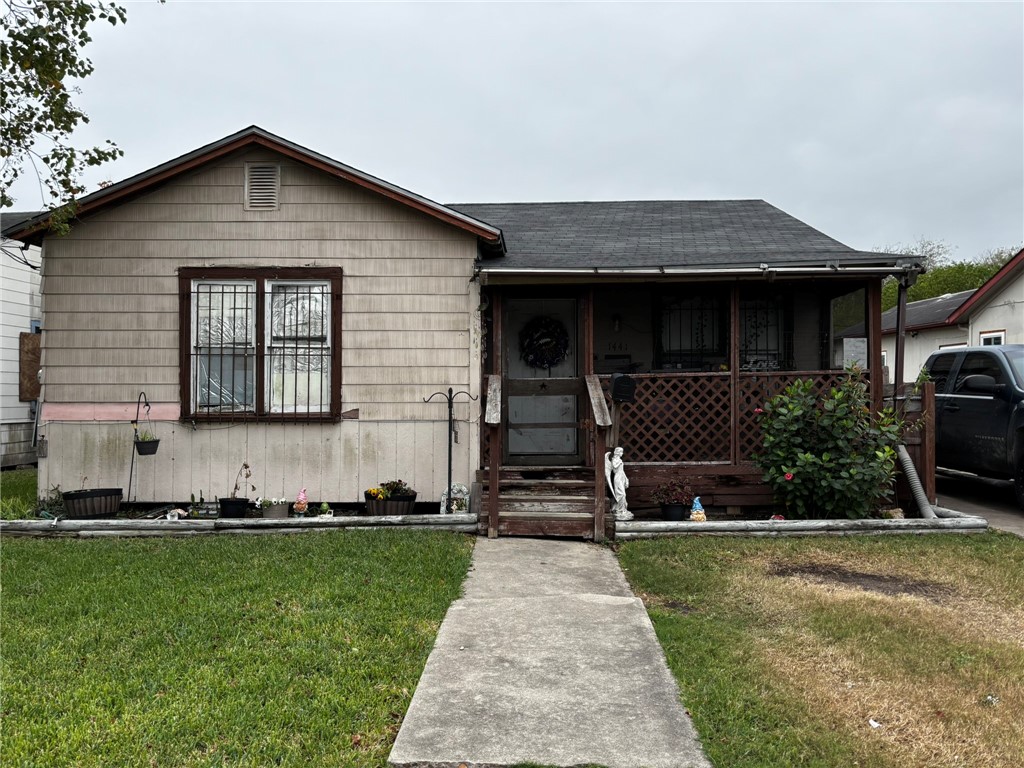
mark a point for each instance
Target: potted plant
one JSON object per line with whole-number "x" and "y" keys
{"x": 375, "y": 498}
{"x": 272, "y": 508}
{"x": 235, "y": 505}
{"x": 393, "y": 497}
{"x": 197, "y": 507}
{"x": 146, "y": 443}
{"x": 94, "y": 503}
{"x": 675, "y": 498}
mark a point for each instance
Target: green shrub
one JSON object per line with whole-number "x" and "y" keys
{"x": 828, "y": 455}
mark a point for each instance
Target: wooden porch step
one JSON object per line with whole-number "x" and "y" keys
{"x": 538, "y": 474}
{"x": 546, "y": 490}
{"x": 574, "y": 527}
{"x": 544, "y": 515}
{"x": 546, "y": 506}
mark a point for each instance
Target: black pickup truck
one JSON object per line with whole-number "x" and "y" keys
{"x": 979, "y": 404}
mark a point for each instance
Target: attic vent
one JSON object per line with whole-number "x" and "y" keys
{"x": 262, "y": 184}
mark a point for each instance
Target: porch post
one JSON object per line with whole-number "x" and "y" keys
{"x": 495, "y": 430}
{"x": 588, "y": 331}
{"x": 734, "y": 374}
{"x": 874, "y": 326}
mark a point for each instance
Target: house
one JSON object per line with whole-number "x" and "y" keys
{"x": 995, "y": 313}
{"x": 927, "y": 327}
{"x": 19, "y": 327}
{"x": 284, "y": 309}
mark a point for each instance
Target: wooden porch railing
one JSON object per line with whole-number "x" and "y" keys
{"x": 919, "y": 413}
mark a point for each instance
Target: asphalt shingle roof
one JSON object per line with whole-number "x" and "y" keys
{"x": 675, "y": 233}
{"x": 13, "y": 219}
{"x": 926, "y": 312}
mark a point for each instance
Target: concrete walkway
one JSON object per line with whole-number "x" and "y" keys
{"x": 548, "y": 659}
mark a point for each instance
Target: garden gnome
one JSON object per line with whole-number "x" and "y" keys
{"x": 615, "y": 474}
{"x": 697, "y": 511}
{"x": 301, "y": 503}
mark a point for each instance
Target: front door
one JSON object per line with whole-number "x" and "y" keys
{"x": 541, "y": 372}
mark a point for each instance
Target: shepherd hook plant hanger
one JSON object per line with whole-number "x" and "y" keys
{"x": 135, "y": 436}
{"x": 451, "y": 431}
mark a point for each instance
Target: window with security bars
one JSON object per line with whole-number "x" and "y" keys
{"x": 298, "y": 347}
{"x": 261, "y": 343}
{"x": 765, "y": 336}
{"x": 693, "y": 331}
{"x": 224, "y": 349}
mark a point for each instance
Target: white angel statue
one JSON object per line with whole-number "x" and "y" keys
{"x": 615, "y": 474}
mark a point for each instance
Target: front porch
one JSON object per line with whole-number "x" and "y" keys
{"x": 703, "y": 357}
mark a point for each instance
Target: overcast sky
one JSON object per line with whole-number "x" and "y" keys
{"x": 876, "y": 123}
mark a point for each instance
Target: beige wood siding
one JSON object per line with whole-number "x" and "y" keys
{"x": 410, "y": 328}
{"x": 333, "y": 462}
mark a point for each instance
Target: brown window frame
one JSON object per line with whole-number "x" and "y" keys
{"x": 259, "y": 275}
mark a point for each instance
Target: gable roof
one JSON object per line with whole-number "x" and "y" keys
{"x": 927, "y": 313}
{"x": 1009, "y": 272}
{"x": 33, "y": 229}
{"x": 661, "y": 235}
{"x": 638, "y": 237}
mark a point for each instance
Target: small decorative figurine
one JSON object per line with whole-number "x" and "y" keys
{"x": 301, "y": 503}
{"x": 697, "y": 511}
{"x": 615, "y": 474}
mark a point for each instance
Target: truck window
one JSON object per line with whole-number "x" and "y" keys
{"x": 939, "y": 371}
{"x": 979, "y": 362}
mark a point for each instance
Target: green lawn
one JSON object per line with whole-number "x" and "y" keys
{"x": 251, "y": 651}
{"x": 787, "y": 649}
{"x": 17, "y": 494}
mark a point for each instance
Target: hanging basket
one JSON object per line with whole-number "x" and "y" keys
{"x": 146, "y": 447}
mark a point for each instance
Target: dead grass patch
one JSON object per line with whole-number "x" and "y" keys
{"x": 820, "y": 621}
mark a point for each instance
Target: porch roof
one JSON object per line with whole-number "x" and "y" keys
{"x": 660, "y": 234}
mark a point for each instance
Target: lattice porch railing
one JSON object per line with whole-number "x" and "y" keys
{"x": 688, "y": 417}
{"x": 755, "y": 389}
{"x": 677, "y": 418}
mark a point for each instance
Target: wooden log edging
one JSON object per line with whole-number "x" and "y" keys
{"x": 949, "y": 523}
{"x": 460, "y": 523}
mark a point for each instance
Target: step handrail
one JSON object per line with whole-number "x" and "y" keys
{"x": 492, "y": 417}
{"x": 602, "y": 420}
{"x": 598, "y": 405}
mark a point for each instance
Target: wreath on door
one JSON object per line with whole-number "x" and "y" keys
{"x": 543, "y": 342}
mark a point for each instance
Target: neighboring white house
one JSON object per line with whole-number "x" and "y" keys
{"x": 928, "y": 328}
{"x": 19, "y": 313}
{"x": 995, "y": 313}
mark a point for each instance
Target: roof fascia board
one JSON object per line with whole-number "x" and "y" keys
{"x": 981, "y": 295}
{"x": 762, "y": 271}
{"x": 944, "y": 324}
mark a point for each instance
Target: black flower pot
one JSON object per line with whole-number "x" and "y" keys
{"x": 99, "y": 502}
{"x": 233, "y": 507}
{"x": 674, "y": 512}
{"x": 146, "y": 447}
